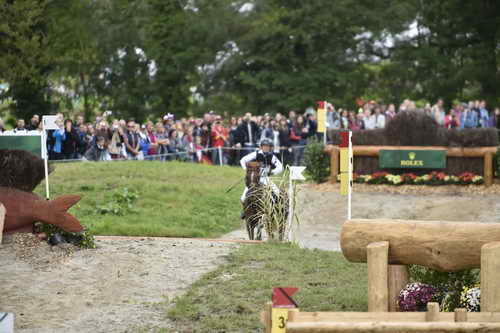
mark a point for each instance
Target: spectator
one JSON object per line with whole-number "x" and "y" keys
{"x": 98, "y": 151}
{"x": 391, "y": 112}
{"x": 132, "y": 143}
{"x": 379, "y": 118}
{"x": 344, "y": 119}
{"x": 34, "y": 122}
{"x": 162, "y": 141}
{"x": 298, "y": 137}
{"x": 369, "y": 119}
{"x": 450, "y": 120}
{"x": 116, "y": 147}
{"x": 219, "y": 137}
{"x": 484, "y": 118}
{"x": 59, "y": 136}
{"x": 152, "y": 141}
{"x": 247, "y": 135}
{"x": 174, "y": 146}
{"x": 82, "y": 135}
{"x": 285, "y": 142}
{"x": 71, "y": 141}
{"x": 355, "y": 121}
{"x": 20, "y": 127}
{"x": 438, "y": 112}
{"x": 2, "y": 126}
{"x": 469, "y": 118}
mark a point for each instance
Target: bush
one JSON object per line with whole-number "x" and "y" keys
{"x": 317, "y": 161}
{"x": 449, "y": 286}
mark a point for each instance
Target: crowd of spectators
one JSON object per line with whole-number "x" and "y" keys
{"x": 217, "y": 140}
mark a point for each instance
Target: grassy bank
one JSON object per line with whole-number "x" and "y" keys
{"x": 144, "y": 198}
{"x": 230, "y": 298}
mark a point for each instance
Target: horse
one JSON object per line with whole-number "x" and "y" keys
{"x": 257, "y": 213}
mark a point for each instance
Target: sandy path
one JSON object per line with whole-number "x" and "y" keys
{"x": 111, "y": 289}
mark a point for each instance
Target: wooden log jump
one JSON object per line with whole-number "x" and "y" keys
{"x": 486, "y": 153}
{"x": 431, "y": 321}
{"x": 443, "y": 246}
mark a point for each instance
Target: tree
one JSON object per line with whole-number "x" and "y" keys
{"x": 25, "y": 62}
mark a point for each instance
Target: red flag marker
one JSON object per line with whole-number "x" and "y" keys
{"x": 282, "y": 297}
{"x": 344, "y": 142}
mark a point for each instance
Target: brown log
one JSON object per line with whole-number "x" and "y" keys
{"x": 398, "y": 279}
{"x": 490, "y": 273}
{"x": 382, "y": 327}
{"x": 444, "y": 246}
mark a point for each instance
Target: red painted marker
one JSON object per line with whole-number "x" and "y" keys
{"x": 282, "y": 297}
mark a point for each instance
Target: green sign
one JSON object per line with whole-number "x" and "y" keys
{"x": 403, "y": 159}
{"x": 31, "y": 143}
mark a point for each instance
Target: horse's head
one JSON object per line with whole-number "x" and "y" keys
{"x": 253, "y": 173}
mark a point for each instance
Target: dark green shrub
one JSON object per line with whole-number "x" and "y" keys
{"x": 412, "y": 128}
{"x": 317, "y": 161}
{"x": 84, "y": 239}
{"x": 449, "y": 285}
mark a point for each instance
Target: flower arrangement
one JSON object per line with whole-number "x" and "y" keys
{"x": 415, "y": 296}
{"x": 433, "y": 178}
{"x": 471, "y": 299}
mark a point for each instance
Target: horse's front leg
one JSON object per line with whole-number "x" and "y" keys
{"x": 249, "y": 228}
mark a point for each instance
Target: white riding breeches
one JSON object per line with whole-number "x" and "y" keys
{"x": 273, "y": 186}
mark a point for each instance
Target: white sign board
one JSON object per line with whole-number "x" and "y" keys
{"x": 296, "y": 173}
{"x": 49, "y": 123}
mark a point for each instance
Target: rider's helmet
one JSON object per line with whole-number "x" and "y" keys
{"x": 266, "y": 142}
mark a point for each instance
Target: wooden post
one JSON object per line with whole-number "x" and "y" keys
{"x": 488, "y": 169}
{"x": 334, "y": 164}
{"x": 398, "y": 279}
{"x": 490, "y": 277}
{"x": 378, "y": 291}
{"x": 293, "y": 314}
{"x": 460, "y": 315}
{"x": 432, "y": 313}
{"x": 2, "y": 219}
{"x": 268, "y": 310}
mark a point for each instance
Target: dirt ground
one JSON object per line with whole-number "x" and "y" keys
{"x": 117, "y": 287}
{"x": 110, "y": 289}
{"x": 322, "y": 210}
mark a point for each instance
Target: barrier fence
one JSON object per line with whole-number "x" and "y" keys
{"x": 222, "y": 151}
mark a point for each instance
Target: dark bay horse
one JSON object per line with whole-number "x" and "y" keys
{"x": 258, "y": 213}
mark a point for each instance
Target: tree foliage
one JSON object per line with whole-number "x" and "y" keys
{"x": 140, "y": 59}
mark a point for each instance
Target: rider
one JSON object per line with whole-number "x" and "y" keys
{"x": 270, "y": 165}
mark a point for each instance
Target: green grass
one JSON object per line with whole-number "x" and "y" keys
{"x": 231, "y": 298}
{"x": 173, "y": 199}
